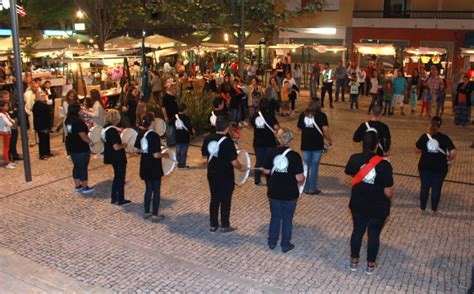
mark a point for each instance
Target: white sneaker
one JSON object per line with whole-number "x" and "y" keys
{"x": 10, "y": 166}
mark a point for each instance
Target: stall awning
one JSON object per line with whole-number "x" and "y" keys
{"x": 286, "y": 46}
{"x": 467, "y": 51}
{"x": 121, "y": 42}
{"x": 375, "y": 49}
{"x": 51, "y": 44}
{"x": 328, "y": 48}
{"x": 158, "y": 41}
{"x": 426, "y": 51}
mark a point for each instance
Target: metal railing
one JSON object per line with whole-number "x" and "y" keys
{"x": 425, "y": 14}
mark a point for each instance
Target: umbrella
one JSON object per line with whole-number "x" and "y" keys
{"x": 125, "y": 42}
{"x": 158, "y": 41}
{"x": 50, "y": 43}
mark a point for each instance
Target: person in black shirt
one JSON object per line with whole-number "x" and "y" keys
{"x": 437, "y": 151}
{"x": 131, "y": 106}
{"x": 114, "y": 154}
{"x": 285, "y": 168}
{"x": 265, "y": 125}
{"x": 382, "y": 130}
{"x": 222, "y": 159}
{"x": 170, "y": 109}
{"x": 51, "y": 99}
{"x": 235, "y": 104}
{"x": 218, "y": 104}
{"x": 314, "y": 127}
{"x": 42, "y": 124}
{"x": 151, "y": 170}
{"x": 77, "y": 146}
{"x": 184, "y": 132}
{"x": 372, "y": 190}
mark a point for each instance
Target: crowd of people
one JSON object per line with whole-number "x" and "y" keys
{"x": 277, "y": 165}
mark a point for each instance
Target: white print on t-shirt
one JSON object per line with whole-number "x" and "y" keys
{"x": 259, "y": 122}
{"x": 213, "y": 148}
{"x": 213, "y": 119}
{"x": 280, "y": 164}
{"x": 69, "y": 129}
{"x": 370, "y": 177}
{"x": 433, "y": 145}
{"x": 309, "y": 121}
{"x": 179, "y": 124}
{"x": 144, "y": 142}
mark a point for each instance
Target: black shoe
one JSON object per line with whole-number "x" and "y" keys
{"x": 17, "y": 158}
{"x": 213, "y": 229}
{"x": 113, "y": 201}
{"x": 124, "y": 202}
{"x": 290, "y": 247}
{"x": 317, "y": 192}
{"x": 271, "y": 246}
{"x": 228, "y": 229}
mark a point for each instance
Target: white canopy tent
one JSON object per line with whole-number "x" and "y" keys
{"x": 6, "y": 44}
{"x": 375, "y": 49}
{"x": 51, "y": 44}
{"x": 121, "y": 42}
{"x": 158, "y": 42}
{"x": 426, "y": 51}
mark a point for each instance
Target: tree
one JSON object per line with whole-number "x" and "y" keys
{"x": 232, "y": 16}
{"x": 106, "y": 17}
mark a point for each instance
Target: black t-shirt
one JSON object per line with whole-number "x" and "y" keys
{"x": 216, "y": 113}
{"x": 368, "y": 197}
{"x": 132, "y": 112}
{"x": 383, "y": 133}
{"x": 74, "y": 143}
{"x": 311, "y": 138}
{"x": 262, "y": 135}
{"x": 236, "y": 98}
{"x": 150, "y": 167}
{"x": 220, "y": 168}
{"x": 431, "y": 157}
{"x": 41, "y": 116}
{"x": 183, "y": 136}
{"x": 171, "y": 106}
{"x": 283, "y": 184}
{"x": 111, "y": 155}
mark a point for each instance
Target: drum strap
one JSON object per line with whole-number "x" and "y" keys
{"x": 283, "y": 154}
{"x": 144, "y": 138}
{"x": 439, "y": 148}
{"x": 181, "y": 121}
{"x": 218, "y": 145}
{"x": 370, "y": 129}
{"x": 104, "y": 131}
{"x": 265, "y": 122}
{"x": 317, "y": 127}
{"x": 363, "y": 172}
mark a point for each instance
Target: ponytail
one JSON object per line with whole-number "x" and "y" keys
{"x": 370, "y": 141}
{"x": 435, "y": 125}
{"x": 148, "y": 119}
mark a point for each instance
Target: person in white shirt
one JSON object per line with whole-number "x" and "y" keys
{"x": 361, "y": 75}
{"x": 5, "y": 132}
{"x": 30, "y": 98}
{"x": 97, "y": 113}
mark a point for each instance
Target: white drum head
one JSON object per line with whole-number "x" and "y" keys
{"x": 240, "y": 177}
{"x": 160, "y": 126}
{"x": 305, "y": 172}
{"x": 95, "y": 136}
{"x": 129, "y": 137}
{"x": 168, "y": 164}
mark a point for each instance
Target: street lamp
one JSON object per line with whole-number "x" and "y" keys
{"x": 80, "y": 14}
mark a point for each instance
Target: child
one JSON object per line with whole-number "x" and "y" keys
{"x": 387, "y": 98}
{"x": 440, "y": 102}
{"x": 285, "y": 99}
{"x": 114, "y": 154}
{"x": 5, "y": 131}
{"x": 426, "y": 101}
{"x": 184, "y": 131}
{"x": 354, "y": 91}
{"x": 374, "y": 82}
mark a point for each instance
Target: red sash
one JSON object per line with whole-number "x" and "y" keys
{"x": 373, "y": 162}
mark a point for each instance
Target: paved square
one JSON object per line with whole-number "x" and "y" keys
{"x": 109, "y": 247}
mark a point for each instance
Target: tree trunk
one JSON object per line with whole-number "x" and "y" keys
{"x": 242, "y": 39}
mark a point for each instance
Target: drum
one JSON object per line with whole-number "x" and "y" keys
{"x": 129, "y": 136}
{"x": 240, "y": 177}
{"x": 168, "y": 164}
{"x": 160, "y": 126}
{"x": 305, "y": 172}
{"x": 95, "y": 135}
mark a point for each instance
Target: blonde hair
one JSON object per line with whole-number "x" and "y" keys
{"x": 112, "y": 115}
{"x": 285, "y": 136}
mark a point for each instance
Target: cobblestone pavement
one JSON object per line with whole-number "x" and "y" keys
{"x": 109, "y": 247}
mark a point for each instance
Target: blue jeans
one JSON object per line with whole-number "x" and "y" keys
{"x": 80, "y": 163}
{"x": 152, "y": 187}
{"x": 434, "y": 181}
{"x": 340, "y": 84}
{"x": 354, "y": 100}
{"x": 312, "y": 158}
{"x": 374, "y": 227}
{"x": 282, "y": 213}
{"x": 118, "y": 184}
{"x": 182, "y": 154}
{"x": 235, "y": 115}
{"x": 260, "y": 153}
{"x": 170, "y": 135}
{"x": 313, "y": 88}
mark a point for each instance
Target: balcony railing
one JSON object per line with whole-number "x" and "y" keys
{"x": 426, "y": 14}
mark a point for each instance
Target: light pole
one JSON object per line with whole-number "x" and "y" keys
{"x": 19, "y": 89}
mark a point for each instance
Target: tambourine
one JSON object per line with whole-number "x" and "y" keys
{"x": 240, "y": 177}
{"x": 160, "y": 126}
{"x": 97, "y": 145}
{"x": 168, "y": 164}
{"x": 129, "y": 136}
{"x": 305, "y": 172}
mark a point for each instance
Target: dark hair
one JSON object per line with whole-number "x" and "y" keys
{"x": 314, "y": 107}
{"x": 3, "y": 103}
{"x": 221, "y": 123}
{"x": 273, "y": 78}
{"x": 148, "y": 119}
{"x": 370, "y": 141}
{"x": 182, "y": 107}
{"x": 3, "y": 93}
{"x": 72, "y": 112}
{"x": 264, "y": 105}
{"x": 218, "y": 101}
{"x": 435, "y": 125}
{"x": 95, "y": 96}
{"x": 377, "y": 110}
{"x": 75, "y": 98}
{"x": 47, "y": 82}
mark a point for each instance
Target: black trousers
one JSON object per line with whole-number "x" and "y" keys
{"x": 118, "y": 184}
{"x": 13, "y": 141}
{"x": 327, "y": 87}
{"x": 373, "y": 226}
{"x": 221, "y": 197}
{"x": 44, "y": 144}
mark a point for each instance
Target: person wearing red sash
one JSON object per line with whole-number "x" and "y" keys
{"x": 372, "y": 190}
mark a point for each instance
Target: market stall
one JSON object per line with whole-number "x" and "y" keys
{"x": 423, "y": 58}
{"x": 369, "y": 53}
